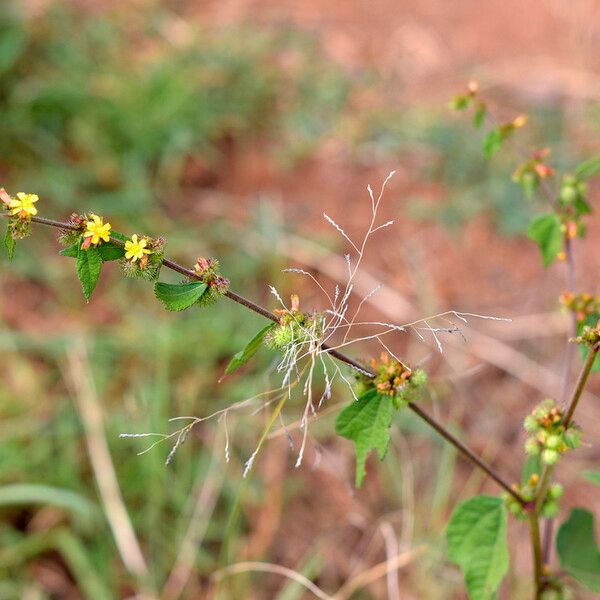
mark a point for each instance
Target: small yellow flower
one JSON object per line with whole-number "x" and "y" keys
{"x": 96, "y": 231}
{"x": 136, "y": 248}
{"x": 23, "y": 205}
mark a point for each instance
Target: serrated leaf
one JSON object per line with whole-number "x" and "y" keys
{"x": 476, "y": 539}
{"x": 89, "y": 265}
{"x": 492, "y": 142}
{"x": 577, "y": 549}
{"x": 179, "y": 297}
{"x": 9, "y": 242}
{"x": 109, "y": 251}
{"x": 366, "y": 422}
{"x": 591, "y": 320}
{"x": 588, "y": 168}
{"x": 71, "y": 251}
{"x": 545, "y": 230}
{"x": 243, "y": 356}
{"x": 592, "y": 476}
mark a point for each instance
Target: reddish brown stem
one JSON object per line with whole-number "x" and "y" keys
{"x": 466, "y": 452}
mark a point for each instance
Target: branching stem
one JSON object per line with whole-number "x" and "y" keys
{"x": 449, "y": 437}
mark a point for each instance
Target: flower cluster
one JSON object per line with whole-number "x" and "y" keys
{"x": 589, "y": 336}
{"x": 548, "y": 437}
{"x": 295, "y": 327}
{"x": 573, "y": 195}
{"x": 530, "y": 174}
{"x": 581, "y": 304}
{"x": 20, "y": 209}
{"x": 96, "y": 232}
{"x": 392, "y": 378}
{"x": 143, "y": 257}
{"x": 550, "y": 504}
{"x": 209, "y": 270}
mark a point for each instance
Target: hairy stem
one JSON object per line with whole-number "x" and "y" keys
{"x": 466, "y": 452}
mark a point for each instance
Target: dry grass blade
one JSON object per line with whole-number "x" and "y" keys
{"x": 243, "y": 567}
{"x": 367, "y": 577}
{"x": 79, "y": 380}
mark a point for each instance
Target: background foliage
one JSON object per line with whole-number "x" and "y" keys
{"x": 132, "y": 114}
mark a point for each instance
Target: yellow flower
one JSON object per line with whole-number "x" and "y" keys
{"x": 23, "y": 205}
{"x": 136, "y": 248}
{"x": 96, "y": 231}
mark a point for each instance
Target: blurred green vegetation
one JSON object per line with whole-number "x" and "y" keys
{"x": 116, "y": 110}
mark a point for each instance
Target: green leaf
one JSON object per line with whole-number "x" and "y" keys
{"x": 593, "y": 476}
{"x": 588, "y": 168}
{"x": 109, "y": 251}
{"x": 492, "y": 142}
{"x": 71, "y": 251}
{"x": 581, "y": 207}
{"x": 577, "y": 549}
{"x": 118, "y": 236}
{"x": 476, "y": 539}
{"x": 545, "y": 230}
{"x": 179, "y": 297}
{"x": 591, "y": 320}
{"x": 366, "y": 422}
{"x": 9, "y": 242}
{"x": 89, "y": 264}
{"x": 243, "y": 356}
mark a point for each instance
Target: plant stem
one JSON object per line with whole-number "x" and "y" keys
{"x": 466, "y": 452}
{"x": 546, "y": 478}
{"x": 568, "y": 361}
{"x": 580, "y": 385}
{"x": 536, "y": 548}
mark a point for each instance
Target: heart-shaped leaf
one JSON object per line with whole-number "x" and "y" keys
{"x": 366, "y": 422}
{"x": 577, "y": 549}
{"x": 476, "y": 539}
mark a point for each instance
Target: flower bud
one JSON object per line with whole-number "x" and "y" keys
{"x": 532, "y": 448}
{"x": 568, "y": 194}
{"x": 550, "y": 457}
{"x": 550, "y": 509}
{"x": 530, "y": 424}
{"x": 556, "y": 491}
{"x": 553, "y": 442}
